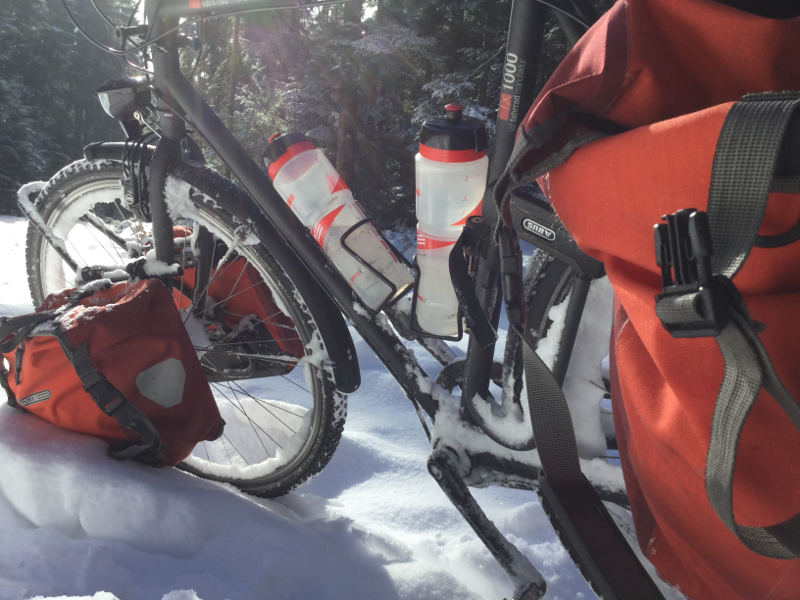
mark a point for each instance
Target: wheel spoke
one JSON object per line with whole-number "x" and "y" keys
{"x": 237, "y": 406}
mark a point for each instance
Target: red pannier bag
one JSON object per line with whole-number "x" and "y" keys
{"x": 245, "y": 302}
{"x": 667, "y": 74}
{"x": 115, "y": 363}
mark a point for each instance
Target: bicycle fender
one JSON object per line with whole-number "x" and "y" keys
{"x": 113, "y": 150}
{"x": 190, "y": 151}
{"x": 332, "y": 326}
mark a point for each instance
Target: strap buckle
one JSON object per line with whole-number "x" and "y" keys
{"x": 694, "y": 302}
{"x": 106, "y": 396}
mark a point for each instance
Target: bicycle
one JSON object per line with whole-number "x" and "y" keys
{"x": 125, "y": 199}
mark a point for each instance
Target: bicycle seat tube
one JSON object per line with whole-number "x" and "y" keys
{"x": 520, "y": 70}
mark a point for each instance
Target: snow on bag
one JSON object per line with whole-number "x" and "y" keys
{"x": 113, "y": 362}
{"x": 626, "y": 131}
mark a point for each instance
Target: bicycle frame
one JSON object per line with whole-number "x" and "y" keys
{"x": 179, "y": 96}
{"x": 179, "y": 102}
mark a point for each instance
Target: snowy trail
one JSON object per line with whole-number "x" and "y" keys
{"x": 74, "y": 523}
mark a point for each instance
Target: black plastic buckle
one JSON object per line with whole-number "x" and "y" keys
{"x": 683, "y": 251}
{"x": 106, "y": 396}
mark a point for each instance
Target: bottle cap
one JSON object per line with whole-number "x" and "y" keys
{"x": 454, "y": 138}
{"x": 281, "y": 148}
{"x": 453, "y": 112}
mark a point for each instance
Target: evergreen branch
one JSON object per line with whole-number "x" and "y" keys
{"x": 479, "y": 69}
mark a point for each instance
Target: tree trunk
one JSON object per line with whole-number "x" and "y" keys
{"x": 346, "y": 133}
{"x": 235, "y": 60}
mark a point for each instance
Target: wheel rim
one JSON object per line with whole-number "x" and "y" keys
{"x": 266, "y": 435}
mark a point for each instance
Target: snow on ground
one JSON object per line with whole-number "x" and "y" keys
{"x": 74, "y": 523}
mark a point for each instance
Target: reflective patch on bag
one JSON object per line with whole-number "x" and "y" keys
{"x": 163, "y": 382}
{"x": 35, "y": 398}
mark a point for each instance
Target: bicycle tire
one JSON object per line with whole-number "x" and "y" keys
{"x": 547, "y": 283}
{"x": 295, "y": 439}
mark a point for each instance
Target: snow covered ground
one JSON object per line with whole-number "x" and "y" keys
{"x": 373, "y": 525}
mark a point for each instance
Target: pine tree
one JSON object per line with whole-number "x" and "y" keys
{"x": 48, "y": 77}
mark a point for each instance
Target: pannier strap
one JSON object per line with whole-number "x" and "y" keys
{"x": 13, "y": 332}
{"x": 582, "y": 521}
{"x": 699, "y": 298}
{"x": 15, "y": 329}
{"x": 111, "y": 401}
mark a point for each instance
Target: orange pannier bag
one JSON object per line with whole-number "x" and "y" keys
{"x": 115, "y": 363}
{"x": 624, "y": 132}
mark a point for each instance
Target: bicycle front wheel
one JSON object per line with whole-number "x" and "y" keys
{"x": 268, "y": 372}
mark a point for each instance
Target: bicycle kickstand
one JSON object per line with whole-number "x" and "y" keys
{"x": 529, "y": 583}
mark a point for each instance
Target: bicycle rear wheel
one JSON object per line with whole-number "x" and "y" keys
{"x": 547, "y": 284}
{"x": 569, "y": 326}
{"x": 268, "y": 372}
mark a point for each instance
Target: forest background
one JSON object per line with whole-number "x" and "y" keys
{"x": 358, "y": 78}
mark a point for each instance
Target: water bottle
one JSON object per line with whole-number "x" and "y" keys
{"x": 451, "y": 169}
{"x": 315, "y": 192}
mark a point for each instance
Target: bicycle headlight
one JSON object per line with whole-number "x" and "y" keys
{"x": 122, "y": 97}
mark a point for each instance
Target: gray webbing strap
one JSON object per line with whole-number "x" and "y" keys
{"x": 551, "y": 420}
{"x": 744, "y": 164}
{"x": 579, "y": 516}
{"x": 16, "y": 329}
{"x": 113, "y": 403}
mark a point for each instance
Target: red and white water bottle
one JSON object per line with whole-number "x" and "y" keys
{"x": 315, "y": 192}
{"x": 451, "y": 170}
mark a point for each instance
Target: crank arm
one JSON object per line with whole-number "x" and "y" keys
{"x": 529, "y": 583}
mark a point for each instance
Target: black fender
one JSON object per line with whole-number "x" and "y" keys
{"x": 115, "y": 150}
{"x": 332, "y": 326}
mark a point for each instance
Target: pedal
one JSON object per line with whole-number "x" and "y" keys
{"x": 529, "y": 583}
